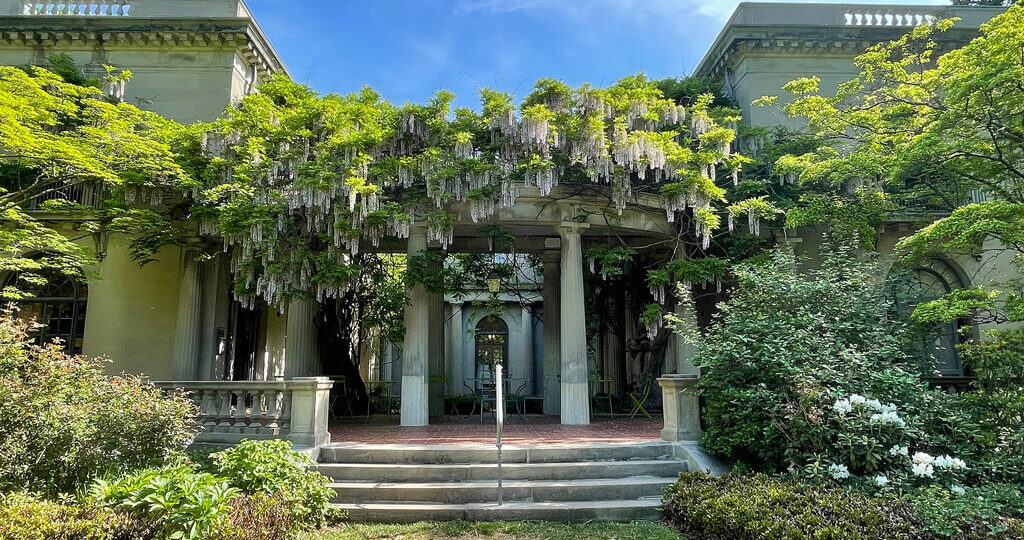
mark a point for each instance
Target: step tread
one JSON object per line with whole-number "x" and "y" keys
{"x": 643, "y": 502}
{"x": 325, "y": 468}
{"x": 490, "y": 484}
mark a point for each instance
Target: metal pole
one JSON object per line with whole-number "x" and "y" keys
{"x": 499, "y": 421}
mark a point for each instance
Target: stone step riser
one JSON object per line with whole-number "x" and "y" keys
{"x": 354, "y": 472}
{"x": 455, "y": 455}
{"x": 463, "y": 494}
{"x": 625, "y": 512}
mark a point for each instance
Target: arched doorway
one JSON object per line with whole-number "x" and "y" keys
{"x": 57, "y": 305}
{"x": 491, "y": 346}
{"x": 923, "y": 284}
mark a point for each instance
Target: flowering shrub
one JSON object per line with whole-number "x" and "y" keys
{"x": 66, "y": 421}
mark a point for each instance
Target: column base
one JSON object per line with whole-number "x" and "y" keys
{"x": 414, "y": 400}
{"x": 575, "y": 404}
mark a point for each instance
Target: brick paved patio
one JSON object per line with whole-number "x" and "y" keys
{"x": 530, "y": 429}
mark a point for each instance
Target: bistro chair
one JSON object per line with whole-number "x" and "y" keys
{"x": 639, "y": 400}
{"x": 602, "y": 394}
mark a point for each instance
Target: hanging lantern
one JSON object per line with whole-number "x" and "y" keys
{"x": 493, "y": 281}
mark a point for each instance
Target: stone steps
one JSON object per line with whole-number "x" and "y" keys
{"x": 578, "y": 511}
{"x": 577, "y": 482}
{"x": 465, "y": 472}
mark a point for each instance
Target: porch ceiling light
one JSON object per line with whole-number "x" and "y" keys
{"x": 493, "y": 281}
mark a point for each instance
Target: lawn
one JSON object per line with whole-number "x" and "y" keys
{"x": 513, "y": 530}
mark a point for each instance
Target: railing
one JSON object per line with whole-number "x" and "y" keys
{"x": 229, "y": 411}
{"x": 88, "y": 8}
{"x": 90, "y": 195}
{"x": 885, "y": 17}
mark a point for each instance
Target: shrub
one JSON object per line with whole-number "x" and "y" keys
{"x": 177, "y": 501}
{"x": 786, "y": 345}
{"x": 273, "y": 468}
{"x": 989, "y": 511}
{"x": 760, "y": 507}
{"x": 258, "y": 517}
{"x": 65, "y": 421}
{"x": 25, "y": 517}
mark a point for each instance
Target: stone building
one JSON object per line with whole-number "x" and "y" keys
{"x": 175, "y": 320}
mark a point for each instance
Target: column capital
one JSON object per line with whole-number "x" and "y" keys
{"x": 567, "y": 228}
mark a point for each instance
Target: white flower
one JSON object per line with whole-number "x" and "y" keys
{"x": 881, "y": 480}
{"x": 923, "y": 469}
{"x": 873, "y": 404}
{"x": 922, "y": 458}
{"x": 889, "y": 408}
{"x": 838, "y": 471}
{"x": 857, "y": 399}
{"x": 888, "y": 418}
{"x": 957, "y": 489}
{"x": 959, "y": 463}
{"x": 842, "y": 406}
{"x": 943, "y": 462}
{"x": 898, "y": 450}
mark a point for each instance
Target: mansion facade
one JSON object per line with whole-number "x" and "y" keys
{"x": 175, "y": 319}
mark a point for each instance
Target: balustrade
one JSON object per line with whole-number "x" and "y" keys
{"x": 885, "y": 17}
{"x": 88, "y": 8}
{"x": 230, "y": 411}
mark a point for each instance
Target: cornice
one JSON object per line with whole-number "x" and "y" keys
{"x": 241, "y": 34}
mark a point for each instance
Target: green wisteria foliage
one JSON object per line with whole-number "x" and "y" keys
{"x": 297, "y": 183}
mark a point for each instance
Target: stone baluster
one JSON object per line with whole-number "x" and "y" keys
{"x": 256, "y": 418}
{"x": 224, "y": 417}
{"x": 239, "y": 424}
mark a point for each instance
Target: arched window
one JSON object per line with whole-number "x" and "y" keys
{"x": 58, "y": 306}
{"x": 491, "y": 346}
{"x": 923, "y": 284}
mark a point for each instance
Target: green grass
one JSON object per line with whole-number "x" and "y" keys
{"x": 512, "y": 530}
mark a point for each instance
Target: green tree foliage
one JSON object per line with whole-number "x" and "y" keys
{"x": 923, "y": 131}
{"x": 60, "y": 139}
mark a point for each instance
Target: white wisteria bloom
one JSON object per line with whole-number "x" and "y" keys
{"x": 842, "y": 406}
{"x": 923, "y": 469}
{"x": 881, "y": 480}
{"x": 957, "y": 489}
{"x": 838, "y": 471}
{"x": 923, "y": 458}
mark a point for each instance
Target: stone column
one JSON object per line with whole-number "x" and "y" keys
{"x": 552, "y": 331}
{"x": 682, "y": 348}
{"x": 187, "y": 329}
{"x": 680, "y": 402}
{"x": 435, "y": 365}
{"x": 453, "y": 350}
{"x": 575, "y": 391}
{"x": 416, "y": 351}
{"x": 526, "y": 324}
{"x": 299, "y": 340}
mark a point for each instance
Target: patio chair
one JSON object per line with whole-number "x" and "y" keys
{"x": 476, "y": 400}
{"x": 516, "y": 399}
{"x": 639, "y": 400}
{"x": 340, "y": 392}
{"x": 602, "y": 393}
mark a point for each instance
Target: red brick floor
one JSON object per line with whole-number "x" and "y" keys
{"x": 530, "y": 429}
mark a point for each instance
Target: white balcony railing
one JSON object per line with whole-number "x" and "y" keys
{"x": 229, "y": 411}
{"x": 86, "y": 8}
{"x": 886, "y": 17}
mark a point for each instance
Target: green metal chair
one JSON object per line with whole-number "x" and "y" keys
{"x": 639, "y": 400}
{"x": 602, "y": 393}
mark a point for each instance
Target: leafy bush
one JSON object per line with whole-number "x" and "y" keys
{"x": 273, "y": 468}
{"x": 25, "y": 517}
{"x": 787, "y": 345}
{"x": 983, "y": 512}
{"x": 65, "y": 421}
{"x": 176, "y": 501}
{"x": 258, "y": 517}
{"x": 760, "y": 507}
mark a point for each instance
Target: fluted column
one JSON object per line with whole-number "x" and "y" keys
{"x": 575, "y": 391}
{"x": 186, "y": 331}
{"x": 417, "y": 342}
{"x": 552, "y": 352}
{"x": 683, "y": 350}
{"x": 299, "y": 340}
{"x": 453, "y": 350}
{"x": 526, "y": 326}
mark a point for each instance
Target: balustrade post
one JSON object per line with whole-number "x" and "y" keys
{"x": 309, "y": 410}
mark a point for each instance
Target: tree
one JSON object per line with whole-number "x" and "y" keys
{"x": 917, "y": 129}
{"x": 61, "y": 141}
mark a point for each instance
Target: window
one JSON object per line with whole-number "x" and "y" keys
{"x": 923, "y": 284}
{"x": 491, "y": 346}
{"x": 58, "y": 306}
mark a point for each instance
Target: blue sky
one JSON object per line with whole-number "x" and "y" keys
{"x": 407, "y": 50}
